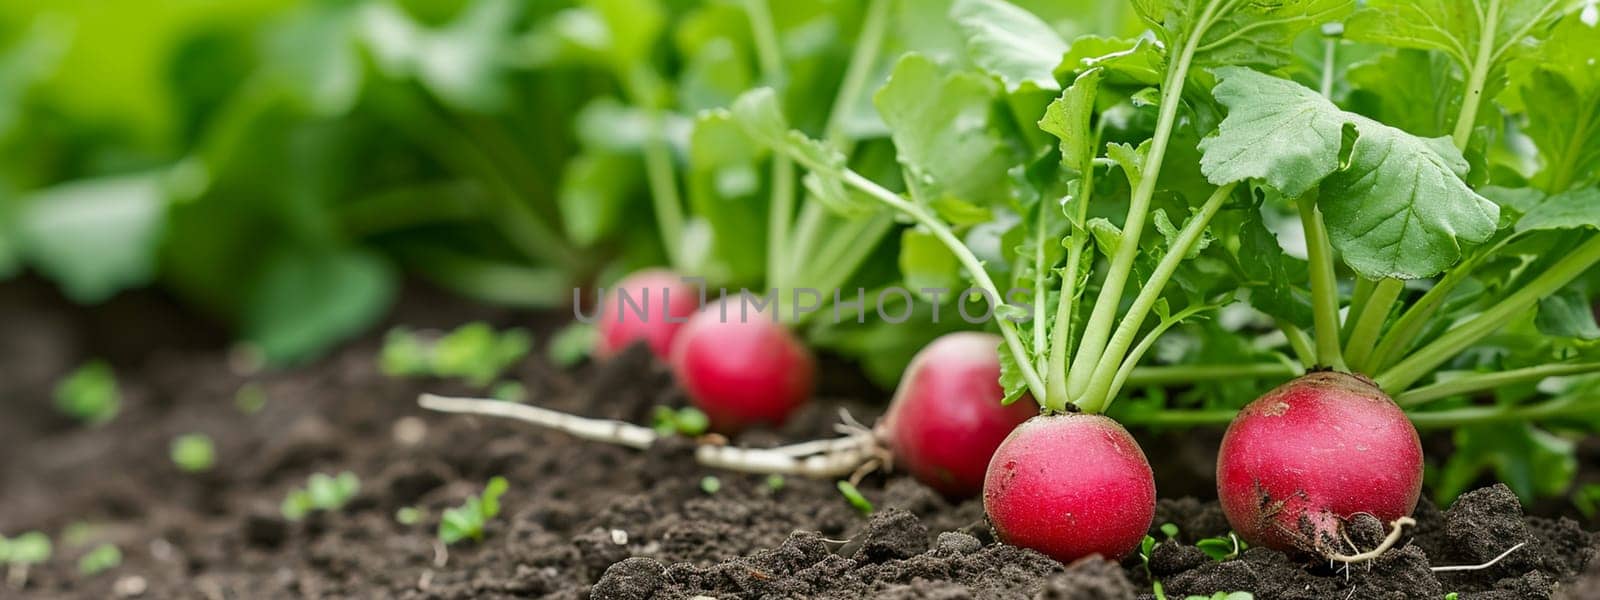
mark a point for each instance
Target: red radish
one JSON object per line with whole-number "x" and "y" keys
{"x": 741, "y": 367}
{"x": 1070, "y": 486}
{"x": 946, "y": 418}
{"x": 649, "y": 306}
{"x": 1315, "y": 451}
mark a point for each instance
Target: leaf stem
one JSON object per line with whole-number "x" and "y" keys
{"x": 780, "y": 215}
{"x": 1478, "y": 382}
{"x": 1055, "y": 373}
{"x": 1369, "y": 324}
{"x": 1478, "y": 78}
{"x": 1324, "y": 285}
{"x": 1097, "y": 395}
{"x": 1171, "y": 374}
{"x": 1423, "y": 361}
{"x": 641, "y": 85}
{"x": 968, "y": 260}
{"x": 1299, "y": 342}
{"x": 1098, "y": 331}
{"x": 857, "y": 70}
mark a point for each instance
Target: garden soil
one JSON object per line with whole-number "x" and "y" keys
{"x": 585, "y": 520}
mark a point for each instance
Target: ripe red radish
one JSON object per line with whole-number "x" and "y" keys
{"x": 649, "y": 306}
{"x": 1315, "y": 451}
{"x": 1070, "y": 486}
{"x": 946, "y": 418}
{"x": 741, "y": 367}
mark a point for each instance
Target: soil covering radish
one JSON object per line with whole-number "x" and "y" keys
{"x": 1071, "y": 486}
{"x": 741, "y": 367}
{"x": 1312, "y": 453}
{"x": 648, "y": 306}
{"x": 947, "y": 417}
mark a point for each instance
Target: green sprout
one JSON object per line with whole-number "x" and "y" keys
{"x": 90, "y": 394}
{"x": 193, "y": 452}
{"x": 409, "y": 515}
{"x": 710, "y": 485}
{"x": 1225, "y": 596}
{"x": 474, "y": 352}
{"x": 572, "y": 344}
{"x": 102, "y": 558}
{"x": 775, "y": 482}
{"x": 22, "y": 552}
{"x": 250, "y": 398}
{"x": 1222, "y": 548}
{"x": 687, "y": 421}
{"x": 468, "y": 520}
{"x": 322, "y": 492}
{"x": 855, "y": 498}
{"x": 1587, "y": 500}
{"x": 1170, "y": 530}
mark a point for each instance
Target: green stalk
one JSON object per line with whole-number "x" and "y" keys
{"x": 1478, "y": 78}
{"x": 1041, "y": 276}
{"x": 857, "y": 70}
{"x": 1324, "y": 285}
{"x": 1369, "y": 324}
{"x": 1415, "y": 318}
{"x": 1360, "y": 292}
{"x": 968, "y": 260}
{"x": 780, "y": 213}
{"x": 865, "y": 239}
{"x": 1423, "y": 361}
{"x": 1137, "y": 353}
{"x": 1487, "y": 381}
{"x": 490, "y": 281}
{"x": 1097, "y": 394}
{"x": 642, "y": 88}
{"x": 1174, "y": 374}
{"x": 1060, "y": 355}
{"x": 1299, "y": 342}
{"x": 1098, "y": 331}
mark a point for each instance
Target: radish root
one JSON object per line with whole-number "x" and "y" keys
{"x": 1396, "y": 531}
{"x": 821, "y": 459}
{"x": 1486, "y": 565}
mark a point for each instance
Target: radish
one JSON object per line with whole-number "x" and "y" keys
{"x": 1070, "y": 486}
{"x": 1300, "y": 460}
{"x": 947, "y": 418}
{"x": 648, "y": 306}
{"x": 741, "y": 368}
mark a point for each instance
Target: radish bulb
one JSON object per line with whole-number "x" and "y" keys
{"x": 741, "y": 368}
{"x": 946, "y": 418}
{"x": 1300, "y": 460}
{"x": 648, "y": 306}
{"x": 1070, "y": 486}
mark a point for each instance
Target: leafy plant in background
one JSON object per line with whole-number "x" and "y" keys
{"x": 89, "y": 394}
{"x": 322, "y": 492}
{"x": 469, "y": 520}
{"x": 474, "y": 352}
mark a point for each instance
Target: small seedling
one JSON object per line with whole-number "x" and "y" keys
{"x": 322, "y": 492}
{"x": 687, "y": 421}
{"x": 1170, "y": 530}
{"x": 1222, "y": 548}
{"x": 102, "y": 558}
{"x": 775, "y": 482}
{"x": 572, "y": 344}
{"x": 250, "y": 398}
{"x": 474, "y": 352}
{"x": 468, "y": 520}
{"x": 409, "y": 515}
{"x": 710, "y": 485}
{"x": 90, "y": 394}
{"x": 1224, "y": 596}
{"x": 509, "y": 391}
{"x": 854, "y": 497}
{"x": 1452, "y": 596}
{"x": 193, "y": 452}
{"x": 21, "y": 553}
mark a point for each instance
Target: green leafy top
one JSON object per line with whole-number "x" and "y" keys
{"x": 1396, "y": 204}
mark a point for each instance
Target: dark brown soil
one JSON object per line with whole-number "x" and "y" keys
{"x": 581, "y": 519}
